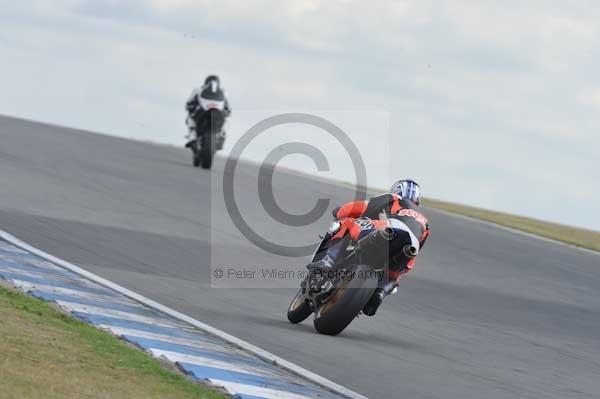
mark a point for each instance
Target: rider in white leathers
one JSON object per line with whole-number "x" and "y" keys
{"x": 210, "y": 95}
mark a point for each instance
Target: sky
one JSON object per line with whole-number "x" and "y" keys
{"x": 487, "y": 103}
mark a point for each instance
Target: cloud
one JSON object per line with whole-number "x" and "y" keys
{"x": 590, "y": 97}
{"x": 482, "y": 96}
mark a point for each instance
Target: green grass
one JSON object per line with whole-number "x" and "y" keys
{"x": 45, "y": 353}
{"x": 571, "y": 235}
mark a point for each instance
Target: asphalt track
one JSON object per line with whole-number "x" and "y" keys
{"x": 486, "y": 313}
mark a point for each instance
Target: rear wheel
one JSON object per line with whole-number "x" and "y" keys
{"x": 298, "y": 310}
{"x": 346, "y": 302}
{"x": 207, "y": 151}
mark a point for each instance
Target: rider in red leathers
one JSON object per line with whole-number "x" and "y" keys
{"x": 397, "y": 210}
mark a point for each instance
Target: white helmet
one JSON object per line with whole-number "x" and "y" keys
{"x": 408, "y": 189}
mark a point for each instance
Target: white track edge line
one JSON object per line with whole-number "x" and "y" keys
{"x": 261, "y": 353}
{"x": 513, "y": 230}
{"x": 328, "y": 180}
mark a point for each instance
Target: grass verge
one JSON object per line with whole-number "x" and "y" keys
{"x": 571, "y": 235}
{"x": 45, "y": 353}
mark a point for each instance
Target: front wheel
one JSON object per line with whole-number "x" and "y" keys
{"x": 298, "y": 310}
{"x": 207, "y": 151}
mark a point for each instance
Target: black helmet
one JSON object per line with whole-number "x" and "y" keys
{"x": 210, "y": 78}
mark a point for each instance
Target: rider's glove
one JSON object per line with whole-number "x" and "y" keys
{"x": 335, "y": 211}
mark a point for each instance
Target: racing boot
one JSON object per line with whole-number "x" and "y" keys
{"x": 220, "y": 139}
{"x": 190, "y": 139}
{"x": 377, "y": 298}
{"x": 371, "y": 307}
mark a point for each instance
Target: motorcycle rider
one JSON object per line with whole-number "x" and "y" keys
{"x": 211, "y": 94}
{"x": 397, "y": 209}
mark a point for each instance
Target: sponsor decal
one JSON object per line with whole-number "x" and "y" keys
{"x": 415, "y": 215}
{"x": 365, "y": 223}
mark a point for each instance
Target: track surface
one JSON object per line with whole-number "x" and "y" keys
{"x": 486, "y": 313}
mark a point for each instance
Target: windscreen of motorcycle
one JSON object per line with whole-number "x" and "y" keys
{"x": 207, "y": 104}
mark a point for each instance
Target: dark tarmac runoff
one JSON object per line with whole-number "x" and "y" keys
{"x": 487, "y": 313}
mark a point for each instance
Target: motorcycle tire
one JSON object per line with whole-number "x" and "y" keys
{"x": 195, "y": 153}
{"x": 207, "y": 151}
{"x": 346, "y": 302}
{"x": 298, "y": 310}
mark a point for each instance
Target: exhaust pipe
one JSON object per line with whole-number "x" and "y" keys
{"x": 387, "y": 233}
{"x": 376, "y": 238}
{"x": 410, "y": 251}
